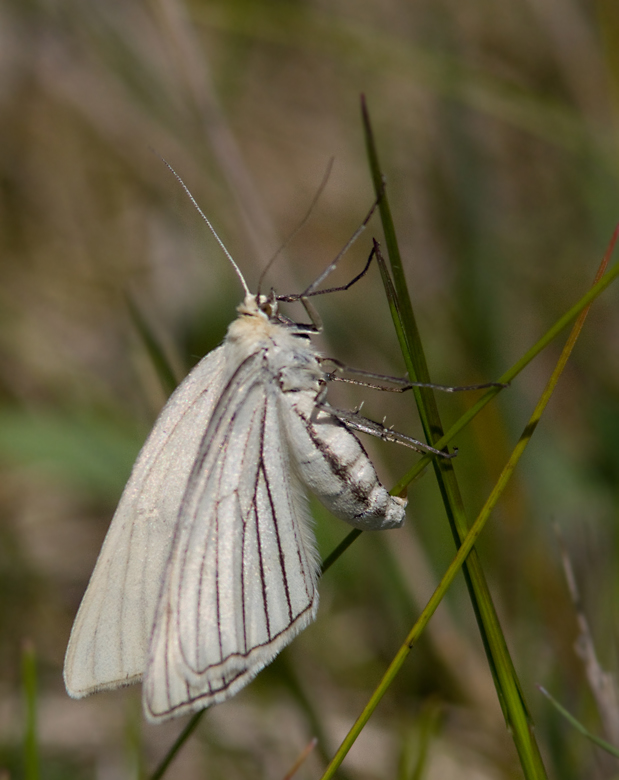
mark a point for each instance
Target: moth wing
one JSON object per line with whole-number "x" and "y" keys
{"x": 110, "y": 637}
{"x": 241, "y": 580}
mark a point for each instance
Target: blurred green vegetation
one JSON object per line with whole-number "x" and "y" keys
{"x": 497, "y": 129}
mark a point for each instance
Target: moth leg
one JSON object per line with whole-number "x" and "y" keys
{"x": 312, "y": 313}
{"x": 312, "y": 289}
{"x": 356, "y": 422}
{"x": 398, "y": 384}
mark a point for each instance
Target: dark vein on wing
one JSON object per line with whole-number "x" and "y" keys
{"x": 282, "y": 561}
{"x": 243, "y": 540}
{"x": 166, "y": 659}
{"x": 258, "y": 538}
{"x": 217, "y": 594}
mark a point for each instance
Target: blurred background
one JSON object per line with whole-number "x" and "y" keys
{"x": 496, "y": 125}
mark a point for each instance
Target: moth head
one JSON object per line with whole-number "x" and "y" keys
{"x": 268, "y": 305}
{"x": 260, "y": 306}
{"x": 266, "y": 308}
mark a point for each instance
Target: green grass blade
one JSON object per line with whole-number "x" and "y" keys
{"x": 340, "y": 549}
{"x": 579, "y": 727}
{"x": 506, "y": 681}
{"x": 29, "y": 683}
{"x": 531, "y": 763}
{"x": 178, "y": 744}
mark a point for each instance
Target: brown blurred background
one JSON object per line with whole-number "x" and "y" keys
{"x": 496, "y": 124}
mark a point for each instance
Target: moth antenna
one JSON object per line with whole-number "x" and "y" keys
{"x": 205, "y": 218}
{"x": 301, "y": 224}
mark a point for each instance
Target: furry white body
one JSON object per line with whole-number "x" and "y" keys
{"x": 209, "y": 567}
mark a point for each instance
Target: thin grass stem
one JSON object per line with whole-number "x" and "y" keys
{"x": 178, "y": 744}
{"x": 579, "y": 726}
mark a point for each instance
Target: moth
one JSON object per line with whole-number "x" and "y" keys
{"x": 209, "y": 567}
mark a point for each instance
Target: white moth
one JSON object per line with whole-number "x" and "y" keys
{"x": 209, "y": 567}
